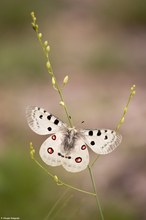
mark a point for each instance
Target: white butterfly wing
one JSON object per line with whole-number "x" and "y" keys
{"x": 50, "y": 149}
{"x": 102, "y": 141}
{"x": 78, "y": 159}
{"x": 41, "y": 121}
{"x": 53, "y": 154}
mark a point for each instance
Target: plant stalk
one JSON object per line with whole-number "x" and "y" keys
{"x": 95, "y": 191}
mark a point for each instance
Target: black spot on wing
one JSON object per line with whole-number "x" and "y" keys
{"x": 106, "y": 137}
{"x": 92, "y": 143}
{"x": 61, "y": 155}
{"x": 41, "y": 116}
{"x": 98, "y": 133}
{"x": 49, "y": 128}
{"x": 90, "y": 133}
{"x": 56, "y": 121}
{"x": 49, "y": 117}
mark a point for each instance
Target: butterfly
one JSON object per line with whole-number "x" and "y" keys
{"x": 68, "y": 146}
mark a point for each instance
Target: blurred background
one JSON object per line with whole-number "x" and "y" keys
{"x": 101, "y": 45}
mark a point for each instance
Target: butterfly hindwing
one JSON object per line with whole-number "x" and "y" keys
{"x": 50, "y": 149}
{"x": 102, "y": 141}
{"x": 52, "y": 153}
{"x": 41, "y": 121}
{"x": 78, "y": 158}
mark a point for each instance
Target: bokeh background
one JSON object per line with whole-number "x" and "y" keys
{"x": 101, "y": 45}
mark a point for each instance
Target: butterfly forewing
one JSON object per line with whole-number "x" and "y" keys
{"x": 42, "y": 122}
{"x": 102, "y": 141}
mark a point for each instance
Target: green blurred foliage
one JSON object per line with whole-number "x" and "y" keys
{"x": 19, "y": 64}
{"x": 28, "y": 192}
{"x": 25, "y": 191}
{"x": 15, "y": 15}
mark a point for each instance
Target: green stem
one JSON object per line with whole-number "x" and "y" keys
{"x": 49, "y": 67}
{"x": 55, "y": 205}
{"x": 95, "y": 191}
{"x": 61, "y": 207}
{"x": 132, "y": 93}
{"x": 54, "y": 177}
{"x": 94, "y": 161}
{"x": 65, "y": 106}
{"x": 77, "y": 189}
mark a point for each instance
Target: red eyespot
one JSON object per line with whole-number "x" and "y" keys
{"x": 78, "y": 159}
{"x": 83, "y": 147}
{"x": 54, "y": 137}
{"x": 50, "y": 150}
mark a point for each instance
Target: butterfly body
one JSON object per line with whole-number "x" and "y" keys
{"x": 70, "y": 137}
{"x": 68, "y": 146}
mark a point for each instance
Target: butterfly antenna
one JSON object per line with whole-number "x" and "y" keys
{"x": 82, "y": 122}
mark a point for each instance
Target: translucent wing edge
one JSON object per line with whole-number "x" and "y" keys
{"x": 113, "y": 145}
{"x": 34, "y": 125}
